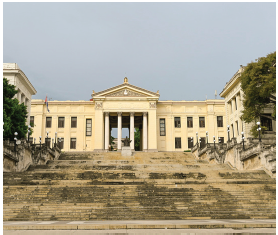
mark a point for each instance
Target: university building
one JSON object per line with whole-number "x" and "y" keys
{"x": 163, "y": 125}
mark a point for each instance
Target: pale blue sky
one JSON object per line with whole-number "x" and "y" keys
{"x": 184, "y": 50}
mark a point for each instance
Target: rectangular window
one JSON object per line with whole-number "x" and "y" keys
{"x": 61, "y": 122}
{"x": 178, "y": 143}
{"x": 267, "y": 122}
{"x": 219, "y": 121}
{"x": 88, "y": 127}
{"x": 233, "y": 130}
{"x": 190, "y": 142}
{"x": 48, "y": 122}
{"x": 237, "y": 128}
{"x": 201, "y": 121}
{"x": 32, "y": 121}
{"x": 48, "y": 142}
{"x": 72, "y": 143}
{"x": 73, "y": 122}
{"x": 221, "y": 140}
{"x": 235, "y": 103}
{"x": 61, "y": 143}
{"x": 162, "y": 127}
{"x": 202, "y": 142}
{"x": 177, "y": 122}
{"x": 190, "y": 122}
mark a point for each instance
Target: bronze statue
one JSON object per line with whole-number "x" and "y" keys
{"x": 126, "y": 142}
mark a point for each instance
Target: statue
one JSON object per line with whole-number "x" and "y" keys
{"x": 126, "y": 142}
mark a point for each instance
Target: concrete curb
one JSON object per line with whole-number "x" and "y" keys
{"x": 96, "y": 226}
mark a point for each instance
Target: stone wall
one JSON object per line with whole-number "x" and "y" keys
{"x": 255, "y": 155}
{"x": 26, "y": 154}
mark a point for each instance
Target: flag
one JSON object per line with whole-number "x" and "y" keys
{"x": 46, "y": 102}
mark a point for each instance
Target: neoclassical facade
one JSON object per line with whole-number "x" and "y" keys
{"x": 16, "y": 77}
{"x": 163, "y": 125}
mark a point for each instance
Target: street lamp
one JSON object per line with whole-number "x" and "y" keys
{"x": 259, "y": 130}
{"x": 228, "y": 130}
{"x": 242, "y": 136}
{"x": 60, "y": 139}
{"x": 15, "y": 139}
{"x": 40, "y": 146}
{"x": 34, "y": 140}
{"x": 52, "y": 142}
{"x": 219, "y": 140}
{"x": 214, "y": 141}
{"x": 200, "y": 141}
{"x": 207, "y": 135}
{"x": 47, "y": 139}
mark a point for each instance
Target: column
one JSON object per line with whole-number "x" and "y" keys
{"x": 106, "y": 131}
{"x": 131, "y": 135}
{"x": 145, "y": 131}
{"x": 119, "y": 130}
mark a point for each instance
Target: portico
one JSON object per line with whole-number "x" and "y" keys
{"x": 125, "y": 106}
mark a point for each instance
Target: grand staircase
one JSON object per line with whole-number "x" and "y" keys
{"x": 147, "y": 186}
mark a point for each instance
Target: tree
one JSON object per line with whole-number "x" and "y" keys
{"x": 258, "y": 82}
{"x": 137, "y": 139}
{"x": 14, "y": 114}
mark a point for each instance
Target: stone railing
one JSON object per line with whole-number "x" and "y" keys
{"x": 26, "y": 154}
{"x": 255, "y": 155}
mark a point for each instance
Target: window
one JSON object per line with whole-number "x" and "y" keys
{"x": 88, "y": 127}
{"x": 48, "y": 122}
{"x": 162, "y": 127}
{"x": 32, "y": 121}
{"x": 202, "y": 142}
{"x": 221, "y": 140}
{"x": 61, "y": 143}
{"x": 189, "y": 122}
{"x": 267, "y": 122}
{"x": 190, "y": 142}
{"x": 178, "y": 143}
{"x": 201, "y": 121}
{"x": 233, "y": 130}
{"x": 177, "y": 122}
{"x": 47, "y": 142}
{"x": 72, "y": 143}
{"x": 235, "y": 103}
{"x": 61, "y": 122}
{"x": 73, "y": 122}
{"x": 219, "y": 121}
{"x": 237, "y": 127}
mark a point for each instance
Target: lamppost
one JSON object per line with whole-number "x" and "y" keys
{"x": 15, "y": 139}
{"x": 219, "y": 140}
{"x": 214, "y": 141}
{"x": 47, "y": 139}
{"x": 52, "y": 142}
{"x": 228, "y": 130}
{"x": 29, "y": 132}
{"x": 242, "y": 136}
{"x": 60, "y": 139}
{"x": 207, "y": 135}
{"x": 55, "y": 138}
{"x": 200, "y": 141}
{"x": 259, "y": 130}
{"x": 192, "y": 141}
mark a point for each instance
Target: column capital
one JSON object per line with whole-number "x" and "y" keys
{"x": 132, "y": 114}
{"x": 106, "y": 114}
{"x": 145, "y": 113}
{"x": 119, "y": 113}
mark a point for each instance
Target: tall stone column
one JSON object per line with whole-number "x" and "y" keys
{"x": 131, "y": 135}
{"x": 106, "y": 131}
{"x": 119, "y": 130}
{"x": 145, "y": 131}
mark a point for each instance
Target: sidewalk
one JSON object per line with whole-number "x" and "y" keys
{"x": 140, "y": 224}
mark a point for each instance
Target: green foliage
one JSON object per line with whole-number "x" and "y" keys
{"x": 112, "y": 142}
{"x": 14, "y": 114}
{"x": 137, "y": 139}
{"x": 258, "y": 82}
{"x": 187, "y": 150}
{"x": 255, "y": 133}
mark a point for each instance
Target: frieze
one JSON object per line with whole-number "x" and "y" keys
{"x": 127, "y": 93}
{"x": 98, "y": 105}
{"x": 152, "y": 105}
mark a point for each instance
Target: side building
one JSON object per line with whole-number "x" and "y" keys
{"x": 17, "y": 77}
{"x": 163, "y": 125}
{"x": 234, "y": 96}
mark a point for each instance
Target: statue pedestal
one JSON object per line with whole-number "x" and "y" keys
{"x": 126, "y": 151}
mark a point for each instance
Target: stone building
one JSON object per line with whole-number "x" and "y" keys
{"x": 233, "y": 95}
{"x": 163, "y": 125}
{"x": 16, "y": 77}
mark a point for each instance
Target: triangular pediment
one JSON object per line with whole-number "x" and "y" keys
{"x": 125, "y": 90}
